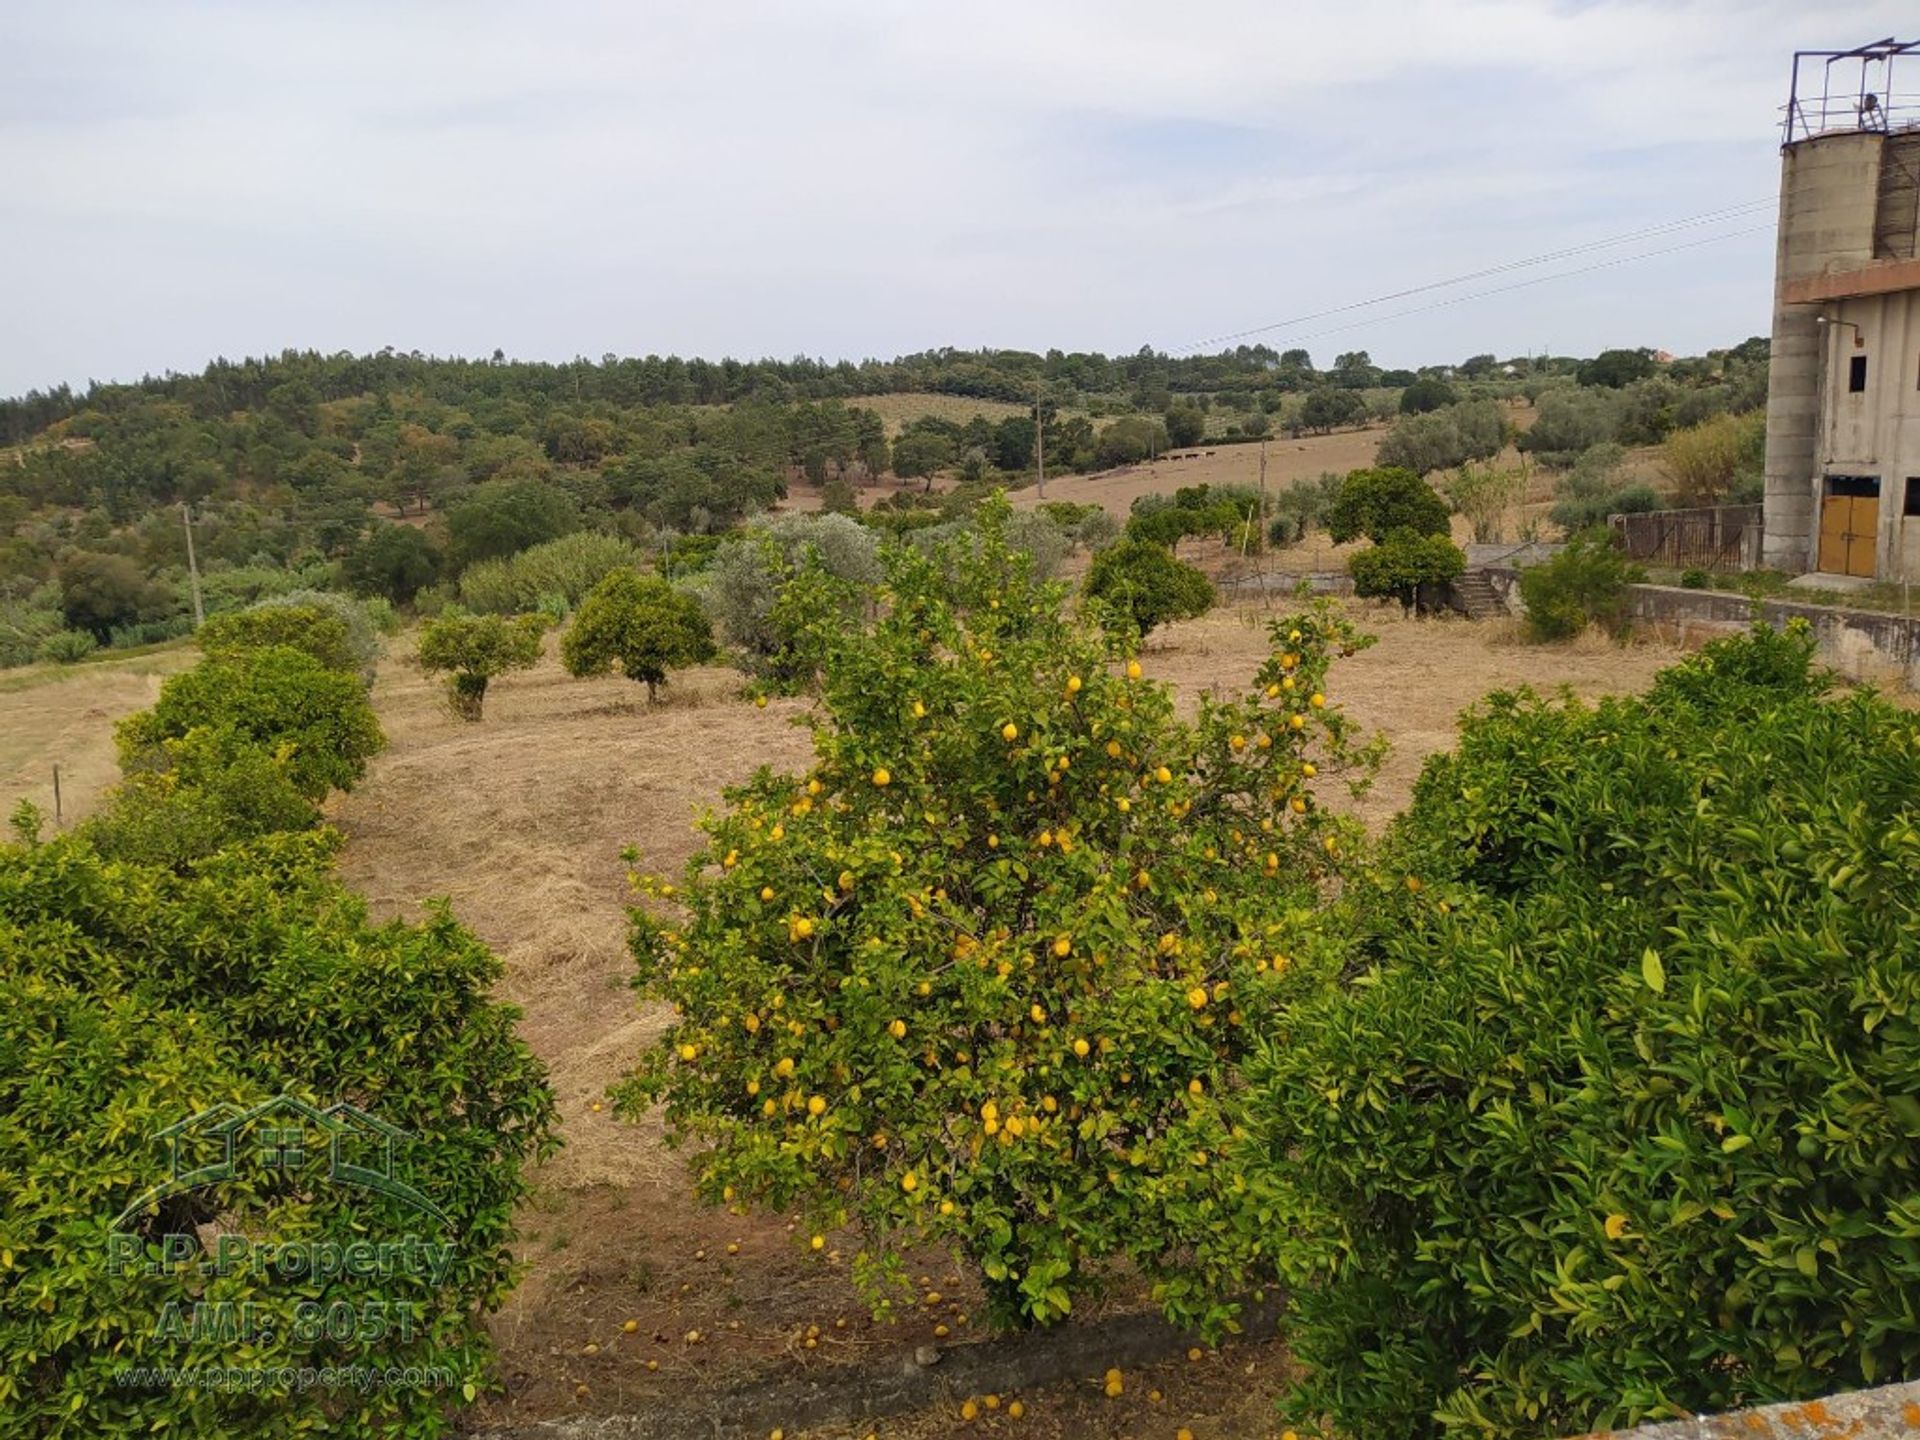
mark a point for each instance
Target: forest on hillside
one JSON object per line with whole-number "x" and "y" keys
{"x": 394, "y": 475}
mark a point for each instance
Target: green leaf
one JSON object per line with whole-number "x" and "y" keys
{"x": 1652, "y": 971}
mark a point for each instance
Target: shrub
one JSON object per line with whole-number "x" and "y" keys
{"x": 750, "y": 570}
{"x": 186, "y": 798}
{"x": 1706, "y": 460}
{"x": 1585, "y": 584}
{"x": 1429, "y": 392}
{"x": 474, "y": 649}
{"x": 1484, "y": 494}
{"x": 363, "y": 633}
{"x": 306, "y": 628}
{"x": 66, "y": 647}
{"x": 568, "y": 567}
{"x": 1141, "y": 584}
{"x": 983, "y": 977}
{"x": 274, "y": 698}
{"x": 1404, "y": 564}
{"x": 1694, "y": 579}
{"x": 641, "y": 624}
{"x": 130, "y": 999}
{"x": 1377, "y": 502}
{"x": 395, "y": 562}
{"x": 1616, "y": 1120}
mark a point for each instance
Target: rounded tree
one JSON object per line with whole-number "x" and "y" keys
{"x": 985, "y": 975}
{"x": 1142, "y": 581}
{"x": 641, "y": 624}
{"x": 1377, "y": 502}
{"x": 472, "y": 649}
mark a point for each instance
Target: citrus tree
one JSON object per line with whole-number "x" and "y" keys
{"x": 275, "y": 697}
{"x": 985, "y": 975}
{"x": 474, "y": 649}
{"x": 639, "y": 623}
{"x": 1617, "y": 1119}
{"x": 1141, "y": 581}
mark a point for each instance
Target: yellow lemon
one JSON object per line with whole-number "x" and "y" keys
{"x": 1080, "y": 1048}
{"x": 882, "y": 778}
{"x": 1009, "y": 731}
{"x": 1133, "y": 669}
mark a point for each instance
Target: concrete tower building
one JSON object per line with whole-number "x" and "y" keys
{"x": 1843, "y": 394}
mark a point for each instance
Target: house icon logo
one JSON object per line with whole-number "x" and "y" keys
{"x": 281, "y": 1136}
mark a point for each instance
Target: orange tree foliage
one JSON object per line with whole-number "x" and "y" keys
{"x": 986, "y": 975}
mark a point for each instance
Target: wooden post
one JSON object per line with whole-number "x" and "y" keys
{"x": 56, "y": 796}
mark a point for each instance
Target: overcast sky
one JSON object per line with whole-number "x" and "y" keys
{"x": 859, "y": 178}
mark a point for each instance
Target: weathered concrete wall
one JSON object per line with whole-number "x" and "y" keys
{"x": 1829, "y": 197}
{"x": 1883, "y": 1413}
{"x": 1861, "y": 644}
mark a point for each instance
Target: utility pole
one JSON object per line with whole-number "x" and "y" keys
{"x": 193, "y": 567}
{"x": 1040, "y": 446}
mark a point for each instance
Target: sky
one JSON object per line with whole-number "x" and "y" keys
{"x": 854, "y": 178}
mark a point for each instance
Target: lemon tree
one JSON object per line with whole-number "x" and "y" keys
{"x": 985, "y": 975}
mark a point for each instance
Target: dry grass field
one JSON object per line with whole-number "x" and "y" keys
{"x": 897, "y": 411}
{"x": 63, "y": 715}
{"x": 521, "y": 821}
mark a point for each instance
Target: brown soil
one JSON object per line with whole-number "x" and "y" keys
{"x": 521, "y": 821}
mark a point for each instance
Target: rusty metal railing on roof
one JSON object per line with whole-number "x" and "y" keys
{"x": 1836, "y": 92}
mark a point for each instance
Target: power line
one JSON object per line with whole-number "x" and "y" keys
{"x": 1707, "y": 217}
{"x": 1536, "y": 280}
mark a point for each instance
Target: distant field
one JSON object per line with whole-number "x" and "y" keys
{"x": 898, "y": 410}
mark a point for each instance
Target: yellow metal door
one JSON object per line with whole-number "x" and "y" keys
{"x": 1863, "y": 528}
{"x": 1835, "y": 510}
{"x": 1849, "y": 525}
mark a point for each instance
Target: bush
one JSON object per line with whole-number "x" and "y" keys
{"x": 751, "y": 569}
{"x": 568, "y": 567}
{"x": 983, "y": 978}
{"x": 358, "y": 617}
{"x": 1377, "y": 502}
{"x": 306, "y": 628}
{"x": 1429, "y": 392}
{"x": 1616, "y": 1120}
{"x": 1571, "y": 422}
{"x": 1141, "y": 584}
{"x": 474, "y": 649}
{"x": 1694, "y": 579}
{"x": 641, "y": 624}
{"x": 132, "y": 998}
{"x": 395, "y": 562}
{"x": 274, "y": 698}
{"x": 1403, "y": 565}
{"x": 1707, "y": 460}
{"x": 66, "y": 647}
{"x": 1585, "y": 584}
{"x": 186, "y": 798}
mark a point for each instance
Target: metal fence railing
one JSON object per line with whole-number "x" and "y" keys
{"x": 1708, "y": 537}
